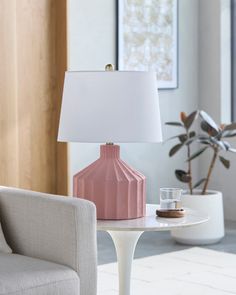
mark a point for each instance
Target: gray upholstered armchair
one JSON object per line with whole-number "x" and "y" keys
{"x": 53, "y": 239}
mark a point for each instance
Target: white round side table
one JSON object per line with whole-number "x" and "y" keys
{"x": 125, "y": 235}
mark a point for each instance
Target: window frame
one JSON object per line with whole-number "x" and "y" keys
{"x": 233, "y": 60}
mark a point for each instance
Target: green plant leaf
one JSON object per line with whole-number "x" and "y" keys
{"x": 192, "y": 134}
{"x": 196, "y": 154}
{"x": 205, "y": 127}
{"x": 182, "y": 176}
{"x": 212, "y": 141}
{"x": 173, "y": 137}
{"x": 199, "y": 182}
{"x": 219, "y": 143}
{"x": 174, "y": 124}
{"x": 230, "y": 127}
{"x": 204, "y": 139}
{"x": 226, "y": 144}
{"x": 182, "y": 138}
{"x": 190, "y": 140}
{"x": 232, "y": 150}
{"x": 175, "y": 149}
{"x": 190, "y": 119}
{"x": 228, "y": 133}
{"x": 206, "y": 142}
{"x": 208, "y": 129}
{"x": 225, "y": 162}
{"x": 209, "y": 121}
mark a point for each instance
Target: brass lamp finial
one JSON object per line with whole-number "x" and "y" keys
{"x": 109, "y": 67}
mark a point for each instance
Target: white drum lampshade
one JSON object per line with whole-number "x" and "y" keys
{"x": 111, "y": 107}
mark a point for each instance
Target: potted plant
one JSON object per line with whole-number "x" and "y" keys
{"x": 211, "y": 138}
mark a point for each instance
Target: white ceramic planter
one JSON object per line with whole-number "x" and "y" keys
{"x": 210, "y": 232}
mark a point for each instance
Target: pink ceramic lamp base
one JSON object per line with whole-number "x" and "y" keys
{"x": 117, "y": 190}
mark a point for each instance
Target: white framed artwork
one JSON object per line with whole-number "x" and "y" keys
{"x": 147, "y": 38}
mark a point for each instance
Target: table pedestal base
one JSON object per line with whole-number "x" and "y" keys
{"x": 125, "y": 243}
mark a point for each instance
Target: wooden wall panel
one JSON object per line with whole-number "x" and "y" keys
{"x": 8, "y": 96}
{"x": 38, "y": 60}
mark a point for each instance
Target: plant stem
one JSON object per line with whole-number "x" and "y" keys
{"x": 189, "y": 167}
{"x": 210, "y": 170}
{"x": 190, "y": 172}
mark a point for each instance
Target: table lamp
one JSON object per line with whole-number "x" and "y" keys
{"x": 110, "y": 107}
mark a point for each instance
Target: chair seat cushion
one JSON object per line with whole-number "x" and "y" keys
{"x": 21, "y": 275}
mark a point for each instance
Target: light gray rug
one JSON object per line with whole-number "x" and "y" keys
{"x": 193, "y": 271}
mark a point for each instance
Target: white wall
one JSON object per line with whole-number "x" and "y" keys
{"x": 214, "y": 88}
{"x": 92, "y": 45}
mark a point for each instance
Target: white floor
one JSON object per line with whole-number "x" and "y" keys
{"x": 195, "y": 271}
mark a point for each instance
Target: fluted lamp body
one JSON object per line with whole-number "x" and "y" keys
{"x": 117, "y": 189}
{"x": 110, "y": 107}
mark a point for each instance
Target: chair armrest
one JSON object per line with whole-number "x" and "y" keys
{"x": 54, "y": 228}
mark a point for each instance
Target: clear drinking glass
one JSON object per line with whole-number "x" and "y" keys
{"x": 170, "y": 198}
